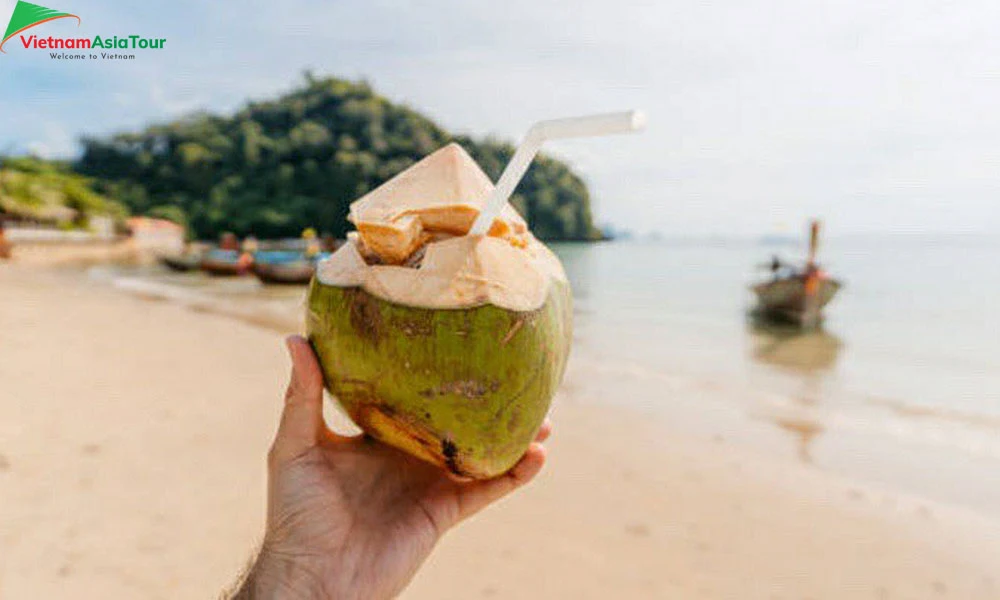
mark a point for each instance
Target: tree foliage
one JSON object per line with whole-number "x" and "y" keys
{"x": 49, "y": 191}
{"x": 279, "y": 166}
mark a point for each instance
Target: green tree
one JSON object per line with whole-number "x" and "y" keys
{"x": 279, "y": 166}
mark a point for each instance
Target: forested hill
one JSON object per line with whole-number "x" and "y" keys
{"x": 279, "y": 166}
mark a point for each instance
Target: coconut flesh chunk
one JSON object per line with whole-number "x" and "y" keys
{"x": 429, "y": 208}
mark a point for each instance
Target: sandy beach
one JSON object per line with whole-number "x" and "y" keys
{"x": 132, "y": 442}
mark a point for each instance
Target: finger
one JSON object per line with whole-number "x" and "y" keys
{"x": 302, "y": 418}
{"x": 476, "y": 496}
{"x": 544, "y": 432}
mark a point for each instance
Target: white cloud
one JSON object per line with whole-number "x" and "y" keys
{"x": 55, "y": 142}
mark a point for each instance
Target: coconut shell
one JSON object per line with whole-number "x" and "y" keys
{"x": 465, "y": 389}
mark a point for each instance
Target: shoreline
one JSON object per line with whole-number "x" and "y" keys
{"x": 139, "y": 471}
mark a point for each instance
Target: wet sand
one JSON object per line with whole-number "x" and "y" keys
{"x": 133, "y": 433}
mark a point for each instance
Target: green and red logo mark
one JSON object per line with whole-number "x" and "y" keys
{"x": 27, "y": 15}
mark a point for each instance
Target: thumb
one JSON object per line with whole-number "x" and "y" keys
{"x": 302, "y": 418}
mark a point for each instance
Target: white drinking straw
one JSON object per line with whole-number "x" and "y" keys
{"x": 589, "y": 126}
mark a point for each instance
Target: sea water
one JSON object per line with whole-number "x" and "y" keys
{"x": 901, "y": 386}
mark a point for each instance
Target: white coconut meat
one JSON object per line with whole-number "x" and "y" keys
{"x": 429, "y": 208}
{"x": 442, "y": 193}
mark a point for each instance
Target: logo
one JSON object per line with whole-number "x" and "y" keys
{"x": 27, "y": 16}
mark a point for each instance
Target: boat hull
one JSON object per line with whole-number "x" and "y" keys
{"x": 226, "y": 263}
{"x": 287, "y": 273}
{"x": 180, "y": 263}
{"x": 786, "y": 299}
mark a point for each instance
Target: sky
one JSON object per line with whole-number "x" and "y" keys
{"x": 876, "y": 116}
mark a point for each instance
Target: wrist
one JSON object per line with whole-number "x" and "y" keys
{"x": 276, "y": 576}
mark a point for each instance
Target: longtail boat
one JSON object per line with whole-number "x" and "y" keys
{"x": 289, "y": 273}
{"x": 285, "y": 268}
{"x": 181, "y": 262}
{"x": 797, "y": 295}
{"x": 226, "y": 263}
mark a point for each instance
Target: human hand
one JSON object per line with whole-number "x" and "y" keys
{"x": 350, "y": 517}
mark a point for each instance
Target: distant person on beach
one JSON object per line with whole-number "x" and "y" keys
{"x": 776, "y": 265}
{"x": 250, "y": 245}
{"x": 349, "y": 517}
{"x": 229, "y": 241}
{"x": 4, "y": 244}
{"x": 329, "y": 243}
{"x": 313, "y": 246}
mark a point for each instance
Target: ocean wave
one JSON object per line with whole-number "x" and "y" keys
{"x": 279, "y": 315}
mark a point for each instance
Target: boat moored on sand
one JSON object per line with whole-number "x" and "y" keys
{"x": 181, "y": 263}
{"x": 284, "y": 267}
{"x": 226, "y": 263}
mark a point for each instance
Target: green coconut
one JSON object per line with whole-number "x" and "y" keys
{"x": 445, "y": 346}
